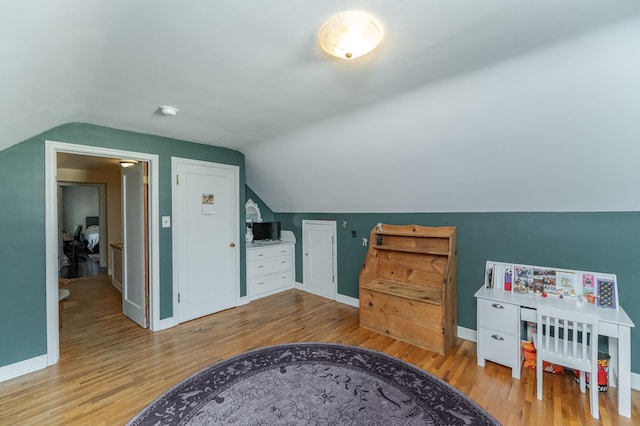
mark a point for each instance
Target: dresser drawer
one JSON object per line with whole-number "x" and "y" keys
{"x": 269, "y": 252}
{"x": 499, "y": 347}
{"x": 269, "y": 283}
{"x": 269, "y": 266}
{"x": 498, "y": 316}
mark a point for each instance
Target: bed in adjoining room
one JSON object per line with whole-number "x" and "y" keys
{"x": 92, "y": 234}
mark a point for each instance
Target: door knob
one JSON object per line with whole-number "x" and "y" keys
{"x": 232, "y": 244}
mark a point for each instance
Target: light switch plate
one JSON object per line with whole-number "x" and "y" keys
{"x": 166, "y": 221}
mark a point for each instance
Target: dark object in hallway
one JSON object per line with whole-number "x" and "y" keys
{"x": 81, "y": 267}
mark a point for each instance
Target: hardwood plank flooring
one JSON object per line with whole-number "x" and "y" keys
{"x": 82, "y": 266}
{"x": 110, "y": 368}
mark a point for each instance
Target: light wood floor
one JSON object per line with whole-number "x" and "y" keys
{"x": 110, "y": 368}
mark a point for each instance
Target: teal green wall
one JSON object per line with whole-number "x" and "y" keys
{"x": 22, "y": 225}
{"x": 604, "y": 242}
{"x": 22, "y": 253}
{"x": 601, "y": 242}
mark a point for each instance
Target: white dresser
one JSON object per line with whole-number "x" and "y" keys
{"x": 270, "y": 268}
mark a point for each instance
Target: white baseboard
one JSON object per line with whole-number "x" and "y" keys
{"x": 467, "y": 334}
{"x": 117, "y": 284}
{"x": 348, "y": 300}
{"x": 166, "y": 323}
{"x": 11, "y": 371}
{"x": 635, "y": 381}
{"x": 23, "y": 367}
{"x": 173, "y": 321}
{"x": 268, "y": 293}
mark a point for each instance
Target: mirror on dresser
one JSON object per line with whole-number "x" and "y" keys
{"x": 252, "y": 211}
{"x": 252, "y": 215}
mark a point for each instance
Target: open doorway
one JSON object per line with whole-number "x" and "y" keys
{"x": 51, "y": 180}
{"x": 83, "y": 225}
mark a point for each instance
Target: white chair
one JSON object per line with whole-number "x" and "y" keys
{"x": 569, "y": 339}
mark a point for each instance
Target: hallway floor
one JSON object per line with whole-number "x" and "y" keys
{"x": 83, "y": 267}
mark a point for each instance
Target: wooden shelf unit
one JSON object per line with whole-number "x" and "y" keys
{"x": 408, "y": 285}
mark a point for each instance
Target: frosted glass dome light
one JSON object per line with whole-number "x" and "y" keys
{"x": 350, "y": 34}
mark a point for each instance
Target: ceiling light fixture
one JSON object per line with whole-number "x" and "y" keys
{"x": 350, "y": 34}
{"x": 128, "y": 163}
{"x": 168, "y": 110}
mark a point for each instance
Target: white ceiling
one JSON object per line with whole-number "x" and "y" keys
{"x": 321, "y": 134}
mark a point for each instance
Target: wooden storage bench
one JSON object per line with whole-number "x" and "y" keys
{"x": 408, "y": 285}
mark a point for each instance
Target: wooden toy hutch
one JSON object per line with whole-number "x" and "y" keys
{"x": 408, "y": 285}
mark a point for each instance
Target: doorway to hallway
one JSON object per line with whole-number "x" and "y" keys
{"x": 52, "y": 148}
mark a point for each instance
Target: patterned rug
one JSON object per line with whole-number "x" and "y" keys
{"x": 313, "y": 384}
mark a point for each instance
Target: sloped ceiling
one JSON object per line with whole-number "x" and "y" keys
{"x": 492, "y": 105}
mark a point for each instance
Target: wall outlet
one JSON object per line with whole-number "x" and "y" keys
{"x": 364, "y": 242}
{"x": 166, "y": 221}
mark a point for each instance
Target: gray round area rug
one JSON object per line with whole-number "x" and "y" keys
{"x": 313, "y": 384}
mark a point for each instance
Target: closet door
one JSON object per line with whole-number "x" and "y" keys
{"x": 206, "y": 232}
{"x": 320, "y": 257}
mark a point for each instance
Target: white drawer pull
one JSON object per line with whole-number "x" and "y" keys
{"x": 497, "y": 306}
{"x": 284, "y": 261}
{"x": 495, "y": 336}
{"x": 261, "y": 254}
{"x": 260, "y": 266}
{"x": 260, "y": 283}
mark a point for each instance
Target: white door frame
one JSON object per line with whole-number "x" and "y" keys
{"x": 51, "y": 233}
{"x": 334, "y": 248}
{"x": 174, "y": 167}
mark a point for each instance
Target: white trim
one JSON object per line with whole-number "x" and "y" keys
{"x": 23, "y": 367}
{"x": 467, "y": 334}
{"x": 244, "y": 300}
{"x": 163, "y": 324}
{"x": 348, "y": 300}
{"x": 51, "y": 237}
{"x": 268, "y": 293}
{"x": 635, "y": 381}
{"x": 463, "y": 332}
{"x": 236, "y": 224}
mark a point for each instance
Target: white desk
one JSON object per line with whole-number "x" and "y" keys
{"x": 499, "y": 331}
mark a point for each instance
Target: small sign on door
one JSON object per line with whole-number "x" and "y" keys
{"x": 208, "y": 206}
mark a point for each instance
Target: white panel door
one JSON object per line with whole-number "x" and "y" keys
{"x": 320, "y": 257}
{"x": 135, "y": 243}
{"x": 60, "y": 228}
{"x": 206, "y": 231}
